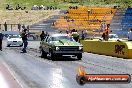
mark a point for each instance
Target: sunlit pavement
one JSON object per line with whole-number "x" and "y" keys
{"x": 35, "y": 72}
{"x": 7, "y": 79}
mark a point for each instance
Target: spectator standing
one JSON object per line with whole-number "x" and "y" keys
{"x": 130, "y": 35}
{"x": 19, "y": 27}
{"x": 8, "y": 6}
{"x": 85, "y": 33}
{"x": 68, "y": 33}
{"x": 1, "y": 38}
{"x": 106, "y": 32}
{"x": 23, "y": 26}
{"x": 42, "y": 36}
{"x": 82, "y": 35}
{"x": 5, "y": 25}
{"x": 25, "y": 42}
{"x": 18, "y": 7}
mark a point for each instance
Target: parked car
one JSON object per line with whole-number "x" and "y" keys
{"x": 7, "y": 33}
{"x": 14, "y": 40}
{"x": 56, "y": 45}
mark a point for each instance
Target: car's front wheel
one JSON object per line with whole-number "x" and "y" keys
{"x": 52, "y": 55}
{"x": 79, "y": 56}
{"x": 8, "y": 45}
{"x": 43, "y": 54}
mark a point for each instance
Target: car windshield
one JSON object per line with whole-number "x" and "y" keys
{"x": 57, "y": 38}
{"x": 14, "y": 36}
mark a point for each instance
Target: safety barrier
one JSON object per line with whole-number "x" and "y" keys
{"x": 121, "y": 49}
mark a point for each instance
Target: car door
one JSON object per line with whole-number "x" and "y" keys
{"x": 44, "y": 44}
{"x": 48, "y": 44}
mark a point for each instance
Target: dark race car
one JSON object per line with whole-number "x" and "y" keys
{"x": 60, "y": 44}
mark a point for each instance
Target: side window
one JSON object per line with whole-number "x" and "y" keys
{"x": 45, "y": 40}
{"x": 49, "y": 39}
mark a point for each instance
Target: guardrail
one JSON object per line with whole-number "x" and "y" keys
{"x": 121, "y": 49}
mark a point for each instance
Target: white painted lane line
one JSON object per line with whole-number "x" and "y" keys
{"x": 3, "y": 82}
{"x": 13, "y": 74}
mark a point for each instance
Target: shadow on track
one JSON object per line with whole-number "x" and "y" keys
{"x": 63, "y": 58}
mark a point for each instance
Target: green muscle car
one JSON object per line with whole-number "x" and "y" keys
{"x": 56, "y": 45}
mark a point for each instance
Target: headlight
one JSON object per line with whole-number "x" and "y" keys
{"x": 19, "y": 41}
{"x": 9, "y": 40}
{"x": 80, "y": 47}
{"x": 57, "y": 48}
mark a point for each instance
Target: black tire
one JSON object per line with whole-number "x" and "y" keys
{"x": 53, "y": 57}
{"x": 43, "y": 54}
{"x": 79, "y": 56}
{"x": 8, "y": 45}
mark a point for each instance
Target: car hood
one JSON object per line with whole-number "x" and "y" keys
{"x": 66, "y": 42}
{"x": 14, "y": 39}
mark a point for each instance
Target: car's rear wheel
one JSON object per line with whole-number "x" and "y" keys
{"x": 79, "y": 56}
{"x": 43, "y": 54}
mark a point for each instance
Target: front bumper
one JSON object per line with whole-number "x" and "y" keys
{"x": 17, "y": 43}
{"x": 67, "y": 52}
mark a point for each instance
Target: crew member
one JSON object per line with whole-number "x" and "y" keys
{"x": 25, "y": 42}
{"x": 75, "y": 35}
{"x": 42, "y": 36}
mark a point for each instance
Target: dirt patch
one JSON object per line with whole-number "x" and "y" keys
{"x": 24, "y": 17}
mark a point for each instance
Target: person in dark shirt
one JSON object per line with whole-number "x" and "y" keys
{"x": 42, "y": 36}
{"x": 1, "y": 38}
{"x": 25, "y": 42}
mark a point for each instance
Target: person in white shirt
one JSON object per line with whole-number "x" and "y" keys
{"x": 130, "y": 35}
